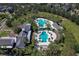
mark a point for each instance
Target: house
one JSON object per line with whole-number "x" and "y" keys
{"x": 7, "y": 42}
{"x": 2, "y": 8}
{"x": 19, "y": 41}
{"x": 55, "y": 25}
{"x": 26, "y": 31}
{"x": 10, "y": 9}
{"x": 24, "y": 35}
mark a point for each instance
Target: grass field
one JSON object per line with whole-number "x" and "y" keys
{"x": 49, "y": 16}
{"x": 4, "y": 33}
{"x": 72, "y": 27}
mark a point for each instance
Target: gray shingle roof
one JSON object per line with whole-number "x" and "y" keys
{"x": 27, "y": 27}
{"x": 56, "y": 25}
{"x": 7, "y": 42}
{"x": 20, "y": 43}
{"x": 24, "y": 34}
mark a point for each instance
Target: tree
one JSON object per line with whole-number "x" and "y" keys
{"x": 17, "y": 30}
{"x": 69, "y": 45}
{"x": 17, "y": 52}
{"x": 68, "y": 51}
{"x": 8, "y": 22}
{"x": 53, "y": 50}
{"x": 1, "y": 52}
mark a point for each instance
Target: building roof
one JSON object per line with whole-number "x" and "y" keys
{"x": 20, "y": 42}
{"x": 10, "y": 9}
{"x": 6, "y": 8}
{"x": 56, "y": 26}
{"x": 2, "y": 9}
{"x": 25, "y": 33}
{"x": 26, "y": 27}
{"x": 7, "y": 41}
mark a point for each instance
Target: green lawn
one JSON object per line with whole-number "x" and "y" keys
{"x": 46, "y": 15}
{"x": 4, "y": 33}
{"x": 72, "y": 27}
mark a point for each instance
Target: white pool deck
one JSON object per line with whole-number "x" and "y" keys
{"x": 51, "y": 24}
{"x": 45, "y": 25}
{"x": 51, "y": 35}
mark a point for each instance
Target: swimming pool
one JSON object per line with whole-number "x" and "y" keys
{"x": 44, "y": 36}
{"x": 41, "y": 22}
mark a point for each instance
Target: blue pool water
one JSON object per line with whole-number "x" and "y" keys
{"x": 44, "y": 36}
{"x": 41, "y": 22}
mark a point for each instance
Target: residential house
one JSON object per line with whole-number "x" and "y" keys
{"x": 7, "y": 42}
{"x": 24, "y": 35}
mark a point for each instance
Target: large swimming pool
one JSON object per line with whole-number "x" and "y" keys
{"x": 41, "y": 22}
{"x": 44, "y": 36}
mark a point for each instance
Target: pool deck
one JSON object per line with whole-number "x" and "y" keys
{"x": 52, "y": 36}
